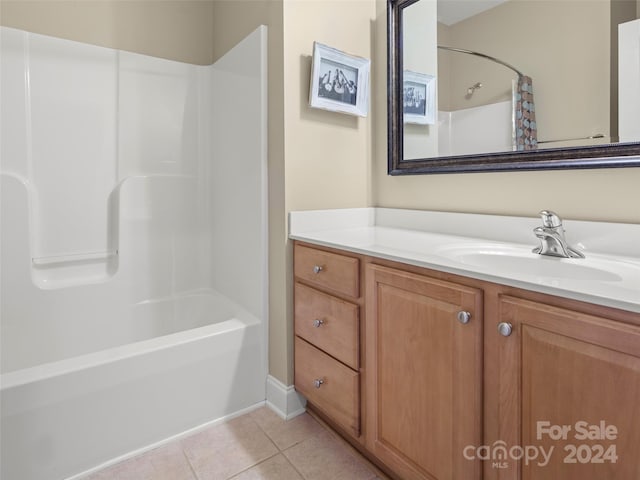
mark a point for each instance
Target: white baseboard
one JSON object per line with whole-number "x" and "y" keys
{"x": 283, "y": 399}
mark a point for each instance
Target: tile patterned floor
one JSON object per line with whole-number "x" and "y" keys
{"x": 256, "y": 446}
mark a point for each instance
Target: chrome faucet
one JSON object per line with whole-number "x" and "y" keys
{"x": 551, "y": 235}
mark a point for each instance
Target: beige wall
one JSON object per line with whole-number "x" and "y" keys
{"x": 532, "y": 36}
{"x": 420, "y": 37}
{"x": 444, "y": 69}
{"x": 604, "y": 195}
{"x": 327, "y": 154}
{"x": 174, "y": 29}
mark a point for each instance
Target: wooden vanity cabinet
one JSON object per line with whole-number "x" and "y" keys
{"x": 424, "y": 374}
{"x": 558, "y": 375}
{"x": 421, "y": 369}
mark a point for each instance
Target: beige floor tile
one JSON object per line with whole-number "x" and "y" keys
{"x": 164, "y": 463}
{"x": 246, "y": 447}
{"x": 170, "y": 463}
{"x": 266, "y": 418}
{"x": 275, "y": 468}
{"x": 286, "y": 433}
{"x": 222, "y": 451}
{"x": 324, "y": 457}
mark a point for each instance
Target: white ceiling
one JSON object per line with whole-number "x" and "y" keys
{"x": 453, "y": 11}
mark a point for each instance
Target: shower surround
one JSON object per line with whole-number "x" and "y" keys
{"x": 134, "y": 249}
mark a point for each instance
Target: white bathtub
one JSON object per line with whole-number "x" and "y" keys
{"x": 133, "y": 249}
{"x": 65, "y": 418}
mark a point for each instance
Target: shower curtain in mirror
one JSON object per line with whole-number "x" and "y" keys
{"x": 526, "y": 132}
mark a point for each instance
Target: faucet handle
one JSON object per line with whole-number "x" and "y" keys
{"x": 550, "y": 219}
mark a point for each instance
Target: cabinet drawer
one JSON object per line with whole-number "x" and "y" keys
{"x": 338, "y": 396}
{"x": 328, "y": 270}
{"x": 328, "y": 323}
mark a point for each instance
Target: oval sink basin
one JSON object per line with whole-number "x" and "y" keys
{"x": 500, "y": 259}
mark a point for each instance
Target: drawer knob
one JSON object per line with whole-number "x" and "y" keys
{"x": 318, "y": 382}
{"x": 464, "y": 317}
{"x": 317, "y": 269}
{"x": 505, "y": 329}
{"x": 318, "y": 322}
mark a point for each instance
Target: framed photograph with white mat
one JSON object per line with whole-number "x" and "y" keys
{"x": 339, "y": 82}
{"x": 419, "y": 98}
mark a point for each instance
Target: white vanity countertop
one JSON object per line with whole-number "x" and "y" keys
{"x": 488, "y": 247}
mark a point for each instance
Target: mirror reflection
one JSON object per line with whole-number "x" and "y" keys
{"x": 519, "y": 75}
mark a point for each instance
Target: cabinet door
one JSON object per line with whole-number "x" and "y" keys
{"x": 423, "y": 374}
{"x": 564, "y": 376}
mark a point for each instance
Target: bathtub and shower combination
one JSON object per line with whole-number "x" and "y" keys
{"x": 134, "y": 255}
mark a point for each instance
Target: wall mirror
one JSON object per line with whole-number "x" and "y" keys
{"x": 490, "y": 85}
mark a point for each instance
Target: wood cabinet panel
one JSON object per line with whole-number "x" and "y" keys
{"x": 331, "y": 271}
{"x": 339, "y": 394}
{"x": 559, "y": 368}
{"x": 329, "y": 323}
{"x": 423, "y": 374}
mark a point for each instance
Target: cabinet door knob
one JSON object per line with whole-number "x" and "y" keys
{"x": 505, "y": 329}
{"x": 317, "y": 269}
{"x": 318, "y": 382}
{"x": 318, "y": 322}
{"x": 464, "y": 317}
